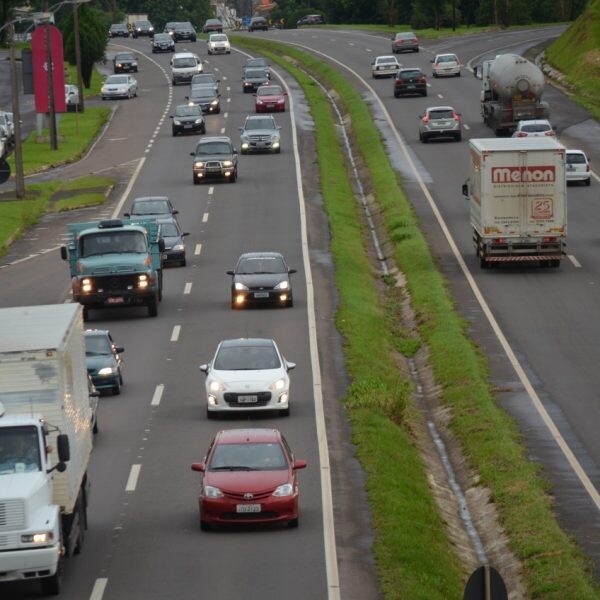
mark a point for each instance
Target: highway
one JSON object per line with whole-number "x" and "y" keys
{"x": 145, "y": 542}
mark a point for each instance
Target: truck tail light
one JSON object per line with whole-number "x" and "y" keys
{"x": 547, "y": 240}
{"x": 500, "y": 240}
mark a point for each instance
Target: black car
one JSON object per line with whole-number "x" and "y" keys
{"x": 172, "y": 235}
{"x": 125, "y": 62}
{"x": 140, "y": 28}
{"x": 151, "y": 205}
{"x": 257, "y": 62}
{"x": 103, "y": 360}
{"x": 206, "y": 98}
{"x": 311, "y": 20}
{"x": 118, "y": 30}
{"x": 162, "y": 42}
{"x": 253, "y": 78}
{"x": 261, "y": 277}
{"x": 188, "y": 119}
{"x": 215, "y": 156}
{"x": 258, "y": 23}
{"x": 205, "y": 80}
{"x": 212, "y": 25}
{"x": 184, "y": 31}
{"x": 170, "y": 27}
{"x": 410, "y": 80}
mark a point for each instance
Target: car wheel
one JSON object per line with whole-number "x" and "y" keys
{"x": 95, "y": 429}
{"x": 416, "y": 49}
{"x": 183, "y": 263}
{"x": 203, "y": 130}
{"x": 210, "y": 415}
{"x": 425, "y": 93}
{"x": 153, "y": 307}
{"x": 278, "y": 151}
{"x": 290, "y": 303}
{"x": 423, "y": 138}
{"x": 135, "y": 94}
{"x": 396, "y": 95}
{"x": 174, "y": 133}
{"x": 458, "y": 74}
{"x": 195, "y": 180}
{"x": 135, "y": 70}
{"x": 588, "y": 181}
{"x": 293, "y": 524}
{"x": 458, "y": 137}
{"x": 285, "y": 412}
{"x": 116, "y": 390}
{"x": 85, "y": 313}
{"x": 204, "y": 526}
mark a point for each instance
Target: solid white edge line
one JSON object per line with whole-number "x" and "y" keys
{"x": 157, "y": 396}
{"x": 98, "y": 589}
{"x": 188, "y": 288}
{"x": 133, "y": 478}
{"x": 331, "y": 566}
{"x": 525, "y": 382}
{"x": 128, "y": 189}
{"x": 175, "y": 333}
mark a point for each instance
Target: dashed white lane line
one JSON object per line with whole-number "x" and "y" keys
{"x": 228, "y": 99}
{"x": 228, "y": 88}
{"x": 98, "y": 589}
{"x": 349, "y": 43}
{"x": 575, "y": 262}
{"x": 225, "y": 115}
{"x": 224, "y": 78}
{"x": 211, "y": 189}
{"x": 198, "y": 249}
{"x": 205, "y": 217}
{"x": 175, "y": 333}
{"x": 222, "y": 129}
{"x": 466, "y": 126}
{"x": 133, "y": 478}
{"x": 440, "y": 96}
{"x": 157, "y": 396}
{"x": 368, "y": 50}
{"x": 188, "y": 288}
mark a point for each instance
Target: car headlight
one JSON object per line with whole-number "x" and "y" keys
{"x": 278, "y": 385}
{"x": 227, "y": 163}
{"x": 245, "y": 146}
{"x": 179, "y": 247}
{"x": 287, "y": 489}
{"x": 275, "y": 144}
{"x": 283, "y": 285}
{"x": 199, "y": 164}
{"x": 86, "y": 285}
{"x": 212, "y": 492}
{"x": 198, "y": 121}
{"x": 259, "y": 101}
{"x": 176, "y": 122}
{"x": 216, "y": 386}
{"x": 143, "y": 280}
{"x": 107, "y": 371}
{"x": 214, "y": 102}
{"x": 240, "y": 286}
{"x": 151, "y": 29}
{"x": 42, "y": 537}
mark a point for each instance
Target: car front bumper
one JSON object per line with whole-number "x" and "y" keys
{"x": 105, "y": 382}
{"x": 225, "y": 510}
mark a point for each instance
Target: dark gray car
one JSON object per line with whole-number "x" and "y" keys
{"x": 151, "y": 206}
{"x": 188, "y": 119}
{"x": 170, "y": 232}
{"x": 215, "y": 157}
{"x": 254, "y": 78}
{"x": 206, "y": 98}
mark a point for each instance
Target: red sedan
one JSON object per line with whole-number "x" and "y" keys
{"x": 270, "y": 98}
{"x": 249, "y": 476}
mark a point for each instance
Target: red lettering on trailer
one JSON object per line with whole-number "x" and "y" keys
{"x": 536, "y": 174}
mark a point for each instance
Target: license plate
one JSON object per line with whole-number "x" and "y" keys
{"x": 261, "y": 294}
{"x": 247, "y": 399}
{"x": 187, "y": 125}
{"x": 443, "y": 124}
{"x": 410, "y": 87}
{"x": 117, "y": 300}
{"x": 247, "y": 508}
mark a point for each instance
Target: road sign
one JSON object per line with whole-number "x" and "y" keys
{"x": 40, "y": 68}
{"x": 4, "y": 171}
{"x": 485, "y": 583}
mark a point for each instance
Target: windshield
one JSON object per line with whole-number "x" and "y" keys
{"x": 447, "y": 58}
{"x": 116, "y": 79}
{"x": 188, "y": 111}
{"x": 409, "y": 74}
{"x": 151, "y": 207}
{"x": 218, "y": 38}
{"x": 162, "y": 37}
{"x": 19, "y": 450}
{"x": 94, "y": 244}
{"x": 578, "y": 159}
{"x": 180, "y": 63}
{"x": 248, "y": 457}
{"x": 269, "y": 90}
{"x": 203, "y": 79}
{"x": 246, "y": 358}
{"x": 97, "y": 345}
{"x": 536, "y": 128}
{"x": 386, "y": 59}
{"x": 441, "y": 114}
{"x": 256, "y": 74}
{"x": 266, "y": 123}
{"x": 169, "y": 230}
{"x": 124, "y": 56}
{"x": 208, "y": 148}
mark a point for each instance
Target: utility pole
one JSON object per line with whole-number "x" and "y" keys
{"x": 51, "y": 103}
{"x": 14, "y": 82}
{"x": 80, "y": 106}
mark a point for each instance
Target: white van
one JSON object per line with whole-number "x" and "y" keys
{"x": 184, "y": 65}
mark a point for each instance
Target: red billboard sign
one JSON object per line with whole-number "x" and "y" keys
{"x": 39, "y": 52}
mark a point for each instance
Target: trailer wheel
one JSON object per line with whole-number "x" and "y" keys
{"x": 483, "y": 263}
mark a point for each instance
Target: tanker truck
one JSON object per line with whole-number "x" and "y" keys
{"x": 511, "y": 91}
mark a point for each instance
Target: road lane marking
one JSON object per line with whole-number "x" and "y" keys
{"x": 466, "y": 126}
{"x": 98, "y": 589}
{"x": 575, "y": 262}
{"x": 368, "y": 50}
{"x": 205, "y": 217}
{"x": 225, "y": 115}
{"x": 228, "y": 99}
{"x": 175, "y": 333}
{"x": 128, "y": 189}
{"x": 157, "y": 396}
{"x": 198, "y": 249}
{"x": 211, "y": 189}
{"x": 440, "y": 96}
{"x": 133, "y": 478}
{"x": 188, "y": 288}
{"x": 222, "y": 129}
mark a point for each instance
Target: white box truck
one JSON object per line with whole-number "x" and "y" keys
{"x": 45, "y": 441}
{"x": 517, "y": 193}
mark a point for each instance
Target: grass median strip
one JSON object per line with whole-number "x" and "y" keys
{"x": 413, "y": 560}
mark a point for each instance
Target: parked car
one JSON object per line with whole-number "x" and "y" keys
{"x": 184, "y": 30}
{"x": 125, "y": 62}
{"x": 248, "y": 476}
{"x": 212, "y": 25}
{"x": 188, "y": 119}
{"x": 141, "y": 28}
{"x": 578, "y": 167}
{"x": 261, "y": 278}
{"x": 71, "y": 97}
{"x": 151, "y": 206}
{"x": 311, "y": 20}
{"x": 162, "y": 42}
{"x": 215, "y": 156}
{"x": 171, "y": 233}
{"x": 253, "y": 78}
{"x": 248, "y": 374}
{"x": 384, "y": 66}
{"x": 184, "y": 66}
{"x": 405, "y": 40}
{"x": 218, "y": 43}
{"x": 410, "y": 80}
{"x": 206, "y": 98}
{"x": 258, "y": 24}
{"x": 534, "y": 128}
{"x": 440, "y": 122}
{"x": 205, "y": 80}
{"x": 270, "y": 98}
{"x": 119, "y": 86}
{"x": 118, "y": 30}
{"x": 444, "y": 65}
{"x": 103, "y": 360}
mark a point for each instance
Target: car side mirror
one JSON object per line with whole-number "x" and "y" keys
{"x": 187, "y": 97}
{"x": 127, "y": 214}
{"x": 192, "y": 154}
{"x": 63, "y": 253}
{"x": 119, "y": 349}
{"x": 170, "y": 116}
{"x": 299, "y": 464}
{"x": 229, "y": 273}
{"x": 432, "y": 60}
{"x": 175, "y": 212}
{"x": 420, "y": 117}
{"x": 292, "y": 271}
{"x": 254, "y": 95}
{"x": 235, "y": 152}
{"x": 204, "y": 368}
{"x": 94, "y": 394}
{"x": 198, "y": 467}
{"x": 290, "y": 365}
{"x": 62, "y": 446}
{"x": 465, "y": 190}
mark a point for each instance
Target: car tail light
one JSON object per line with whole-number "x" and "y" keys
{"x": 587, "y": 168}
{"x": 521, "y": 134}
{"x": 456, "y": 117}
{"x": 549, "y": 133}
{"x": 422, "y": 79}
{"x": 415, "y": 40}
{"x": 426, "y": 119}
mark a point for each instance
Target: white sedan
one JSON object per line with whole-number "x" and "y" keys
{"x": 384, "y": 66}
{"x": 119, "y": 86}
{"x": 446, "y": 65}
{"x": 218, "y": 43}
{"x": 248, "y": 374}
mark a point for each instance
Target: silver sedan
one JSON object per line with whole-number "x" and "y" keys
{"x": 119, "y": 86}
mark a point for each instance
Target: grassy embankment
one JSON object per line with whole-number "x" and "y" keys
{"x": 576, "y": 54}
{"x": 414, "y": 558}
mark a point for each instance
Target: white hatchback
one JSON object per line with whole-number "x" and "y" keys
{"x": 534, "y": 128}
{"x": 578, "y": 167}
{"x": 248, "y": 374}
{"x": 446, "y": 65}
{"x": 384, "y": 66}
{"x": 218, "y": 43}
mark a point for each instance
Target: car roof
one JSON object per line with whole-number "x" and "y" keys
{"x": 405, "y": 34}
{"x": 255, "y": 434}
{"x": 534, "y": 122}
{"x": 96, "y": 332}
{"x": 184, "y": 55}
{"x": 215, "y": 138}
{"x": 574, "y": 151}
{"x": 409, "y": 69}
{"x": 439, "y": 108}
{"x": 261, "y": 255}
{"x": 387, "y": 56}
{"x": 239, "y": 342}
{"x": 150, "y": 198}
{"x": 214, "y": 21}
